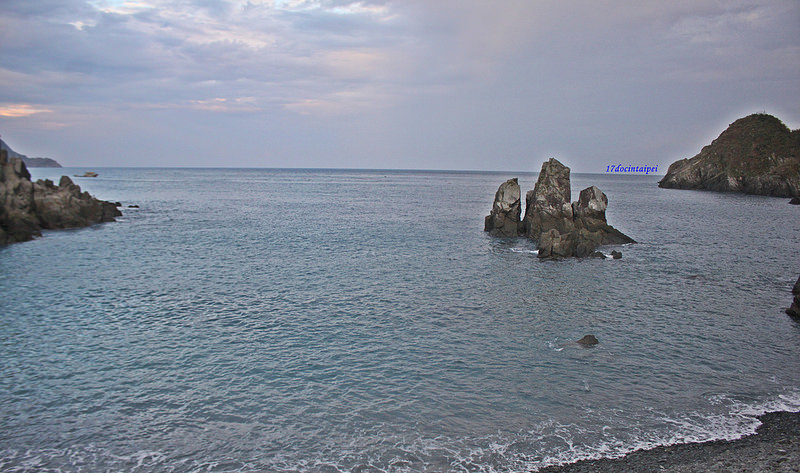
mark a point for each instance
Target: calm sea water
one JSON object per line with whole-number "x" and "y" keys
{"x": 362, "y": 321}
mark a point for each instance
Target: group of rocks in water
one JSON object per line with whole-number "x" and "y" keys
{"x": 561, "y": 228}
{"x": 756, "y": 154}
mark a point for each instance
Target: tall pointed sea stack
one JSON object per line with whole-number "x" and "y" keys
{"x": 547, "y": 205}
{"x": 561, "y": 228}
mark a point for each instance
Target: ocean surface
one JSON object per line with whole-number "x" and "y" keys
{"x": 362, "y": 321}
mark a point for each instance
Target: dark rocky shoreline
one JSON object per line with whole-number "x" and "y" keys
{"x": 775, "y": 447}
{"x": 27, "y": 208}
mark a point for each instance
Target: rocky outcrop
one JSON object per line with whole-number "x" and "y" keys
{"x": 17, "y": 221}
{"x": 588, "y": 341}
{"x": 504, "y": 217}
{"x": 565, "y": 229}
{"x": 756, "y": 154}
{"x": 794, "y": 310}
{"x": 65, "y": 206}
{"x": 26, "y": 208}
{"x": 562, "y": 229}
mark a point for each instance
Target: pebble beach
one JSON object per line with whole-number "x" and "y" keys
{"x": 775, "y": 447}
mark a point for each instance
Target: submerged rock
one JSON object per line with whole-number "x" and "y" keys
{"x": 504, "y": 217}
{"x": 795, "y": 201}
{"x": 588, "y": 341}
{"x": 616, "y": 254}
{"x": 794, "y": 309}
{"x": 87, "y": 174}
{"x": 756, "y": 154}
{"x": 26, "y": 208}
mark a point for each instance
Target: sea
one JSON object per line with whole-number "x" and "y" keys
{"x": 305, "y": 320}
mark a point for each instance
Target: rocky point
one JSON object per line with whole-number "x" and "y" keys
{"x": 26, "y": 208}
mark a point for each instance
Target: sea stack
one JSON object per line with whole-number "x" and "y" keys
{"x": 26, "y": 208}
{"x": 504, "y": 219}
{"x": 756, "y": 154}
{"x": 561, "y": 229}
{"x": 547, "y": 205}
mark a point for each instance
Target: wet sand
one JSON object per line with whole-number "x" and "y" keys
{"x": 775, "y": 447}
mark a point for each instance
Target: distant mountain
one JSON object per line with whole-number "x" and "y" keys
{"x": 756, "y": 154}
{"x": 30, "y": 162}
{"x": 40, "y": 162}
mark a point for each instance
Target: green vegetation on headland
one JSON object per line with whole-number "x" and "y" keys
{"x": 756, "y": 154}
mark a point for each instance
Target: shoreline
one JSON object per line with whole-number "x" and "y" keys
{"x": 774, "y": 447}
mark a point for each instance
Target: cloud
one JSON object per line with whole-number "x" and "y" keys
{"x": 469, "y": 83}
{"x": 18, "y": 110}
{"x": 345, "y": 102}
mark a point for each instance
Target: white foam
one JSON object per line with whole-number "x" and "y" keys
{"x": 551, "y": 344}
{"x": 740, "y": 421}
{"x": 525, "y": 250}
{"x": 548, "y": 443}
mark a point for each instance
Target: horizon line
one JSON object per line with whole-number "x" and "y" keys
{"x": 280, "y": 168}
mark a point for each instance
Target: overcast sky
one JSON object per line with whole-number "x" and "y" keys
{"x": 419, "y": 84}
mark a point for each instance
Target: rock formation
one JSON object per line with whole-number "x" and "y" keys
{"x": 564, "y": 229}
{"x": 26, "y": 207}
{"x": 65, "y": 206}
{"x": 588, "y": 341}
{"x": 561, "y": 228}
{"x": 506, "y": 209}
{"x": 756, "y": 154}
{"x": 794, "y": 310}
{"x": 547, "y": 205}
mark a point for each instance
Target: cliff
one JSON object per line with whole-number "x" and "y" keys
{"x": 26, "y": 208}
{"x": 30, "y": 162}
{"x": 756, "y": 154}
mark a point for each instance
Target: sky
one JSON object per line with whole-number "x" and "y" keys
{"x": 413, "y": 84}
